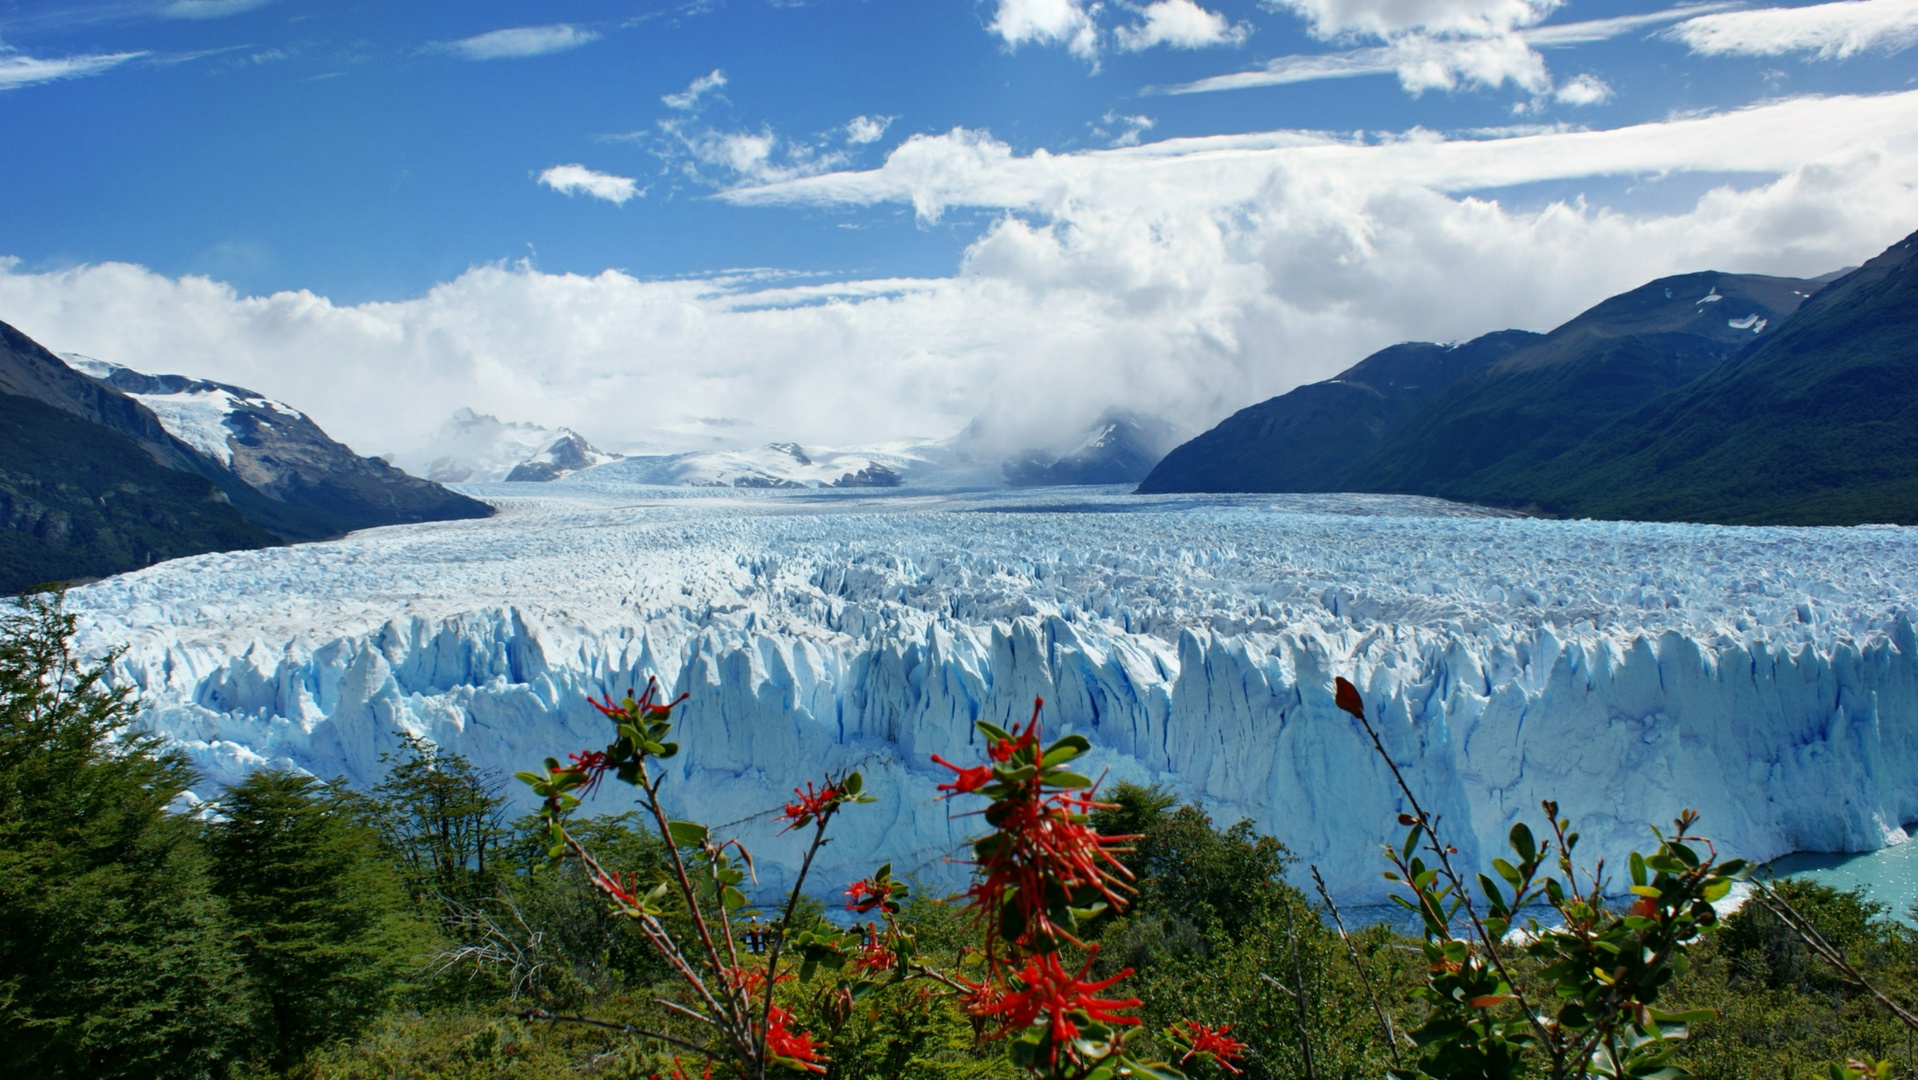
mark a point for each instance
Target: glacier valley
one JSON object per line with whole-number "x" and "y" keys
{"x": 1766, "y": 676}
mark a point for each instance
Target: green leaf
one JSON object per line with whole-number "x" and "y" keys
{"x": 1693, "y": 1016}
{"x": 687, "y": 833}
{"x": 1717, "y": 890}
{"x": 992, "y": 731}
{"x": 1523, "y": 843}
{"x": 853, "y": 784}
{"x": 1068, "y": 780}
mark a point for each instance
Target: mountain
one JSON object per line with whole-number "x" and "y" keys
{"x": 478, "y": 448}
{"x": 1306, "y": 440}
{"x": 1119, "y": 448}
{"x": 313, "y": 486}
{"x": 1815, "y": 424}
{"x": 1489, "y": 428}
{"x": 91, "y": 483}
{"x": 569, "y": 454}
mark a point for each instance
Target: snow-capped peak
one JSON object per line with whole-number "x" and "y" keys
{"x": 198, "y": 412}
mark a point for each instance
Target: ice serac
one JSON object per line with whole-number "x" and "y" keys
{"x": 1766, "y": 677}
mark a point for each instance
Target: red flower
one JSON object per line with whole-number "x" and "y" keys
{"x": 1060, "y": 999}
{"x": 1645, "y": 906}
{"x": 866, "y": 895}
{"x": 1346, "y": 696}
{"x": 811, "y": 805}
{"x": 875, "y": 953}
{"x": 968, "y": 780}
{"x": 1211, "y": 1042}
{"x": 795, "y": 1047}
{"x": 591, "y": 764}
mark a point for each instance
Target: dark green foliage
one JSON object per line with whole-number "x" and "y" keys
{"x": 78, "y": 500}
{"x": 444, "y": 820}
{"x": 323, "y": 920}
{"x": 114, "y": 956}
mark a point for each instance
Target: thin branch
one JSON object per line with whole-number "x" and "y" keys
{"x": 1809, "y": 934}
{"x": 1464, "y": 897}
{"x": 543, "y": 1016}
{"x": 1365, "y": 977}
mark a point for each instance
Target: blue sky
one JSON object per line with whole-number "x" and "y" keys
{"x": 930, "y": 200}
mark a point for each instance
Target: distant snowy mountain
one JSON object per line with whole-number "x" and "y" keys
{"x": 1119, "y": 448}
{"x": 569, "y": 454}
{"x": 781, "y": 465}
{"x": 313, "y": 485}
{"x": 478, "y": 448}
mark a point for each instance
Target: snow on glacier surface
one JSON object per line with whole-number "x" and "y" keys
{"x": 1763, "y": 676}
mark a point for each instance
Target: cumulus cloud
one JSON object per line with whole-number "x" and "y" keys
{"x": 688, "y": 99}
{"x": 1187, "y": 278}
{"x": 519, "y": 41}
{"x": 861, "y": 130}
{"x": 18, "y": 69}
{"x": 580, "y": 180}
{"x": 1827, "y": 31}
{"x": 1583, "y": 90}
{"x": 1180, "y": 24}
{"x": 1047, "y": 22}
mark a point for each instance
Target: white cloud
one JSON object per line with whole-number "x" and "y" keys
{"x": 210, "y": 9}
{"x": 688, "y": 99}
{"x": 17, "y": 70}
{"x": 1456, "y": 45}
{"x": 580, "y": 180}
{"x": 1390, "y": 18}
{"x": 861, "y": 130}
{"x": 1827, "y": 31}
{"x": 1048, "y": 22}
{"x": 1127, "y": 128}
{"x": 519, "y": 41}
{"x": 1188, "y": 277}
{"x": 1180, "y": 24}
{"x": 1583, "y": 90}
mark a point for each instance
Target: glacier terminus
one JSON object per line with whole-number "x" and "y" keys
{"x": 1767, "y": 677}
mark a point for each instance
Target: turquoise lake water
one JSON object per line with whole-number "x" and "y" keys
{"x": 1888, "y": 875}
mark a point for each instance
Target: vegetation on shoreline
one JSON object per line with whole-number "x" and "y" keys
{"x": 416, "y": 930}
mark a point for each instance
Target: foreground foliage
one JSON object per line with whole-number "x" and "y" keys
{"x": 414, "y": 930}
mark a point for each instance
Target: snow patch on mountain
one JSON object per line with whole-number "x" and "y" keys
{"x": 196, "y": 412}
{"x": 476, "y": 448}
{"x": 1766, "y": 676}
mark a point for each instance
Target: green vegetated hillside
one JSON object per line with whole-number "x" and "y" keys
{"x": 1486, "y": 429}
{"x": 1738, "y": 399}
{"x": 1308, "y": 439}
{"x": 80, "y": 500}
{"x": 1815, "y": 425}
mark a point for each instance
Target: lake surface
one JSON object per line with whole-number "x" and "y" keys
{"x": 1888, "y": 875}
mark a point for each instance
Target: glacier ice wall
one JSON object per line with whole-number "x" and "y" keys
{"x": 1766, "y": 677}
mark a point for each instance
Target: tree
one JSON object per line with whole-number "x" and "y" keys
{"x": 115, "y": 958}
{"x": 321, "y": 916}
{"x": 445, "y": 820}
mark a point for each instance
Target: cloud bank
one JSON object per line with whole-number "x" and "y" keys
{"x": 1186, "y": 278}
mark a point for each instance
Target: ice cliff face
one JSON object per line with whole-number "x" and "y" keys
{"x": 1766, "y": 677}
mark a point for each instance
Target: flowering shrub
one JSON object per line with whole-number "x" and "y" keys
{"x": 1041, "y": 872}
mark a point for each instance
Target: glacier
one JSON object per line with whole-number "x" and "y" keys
{"x": 1767, "y": 677}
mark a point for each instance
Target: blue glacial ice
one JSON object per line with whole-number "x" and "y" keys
{"x": 1766, "y": 677}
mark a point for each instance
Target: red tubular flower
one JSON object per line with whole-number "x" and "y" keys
{"x": 865, "y": 896}
{"x": 796, "y": 1047}
{"x": 875, "y": 953}
{"x": 591, "y": 764}
{"x": 811, "y": 805}
{"x": 1211, "y": 1042}
{"x": 968, "y": 780}
{"x": 1062, "y": 1000}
